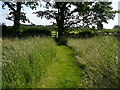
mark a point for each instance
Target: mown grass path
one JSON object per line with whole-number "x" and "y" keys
{"x": 64, "y": 72}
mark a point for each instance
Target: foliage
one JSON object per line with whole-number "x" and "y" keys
{"x": 12, "y": 8}
{"x": 16, "y": 14}
{"x": 38, "y": 62}
{"x": 25, "y": 31}
{"x": 51, "y": 30}
{"x": 88, "y": 32}
{"x": 35, "y": 31}
{"x": 25, "y": 61}
{"x": 116, "y": 27}
{"x": 99, "y": 57}
{"x": 84, "y": 14}
{"x": 7, "y": 31}
{"x": 95, "y": 13}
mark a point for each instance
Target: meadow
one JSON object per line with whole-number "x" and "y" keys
{"x": 64, "y": 45}
{"x": 38, "y": 62}
{"x": 99, "y": 57}
{"x": 25, "y": 61}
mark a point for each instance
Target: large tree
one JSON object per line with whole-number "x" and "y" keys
{"x": 91, "y": 14}
{"x": 16, "y": 14}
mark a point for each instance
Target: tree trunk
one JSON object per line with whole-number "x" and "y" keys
{"x": 60, "y": 23}
{"x": 60, "y": 31}
{"x": 17, "y": 19}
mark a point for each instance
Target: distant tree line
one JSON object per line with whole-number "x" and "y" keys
{"x": 116, "y": 27}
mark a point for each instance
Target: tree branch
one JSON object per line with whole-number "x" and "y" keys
{"x": 10, "y": 6}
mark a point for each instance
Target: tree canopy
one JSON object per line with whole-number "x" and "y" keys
{"x": 15, "y": 14}
{"x": 66, "y": 14}
{"x": 90, "y": 14}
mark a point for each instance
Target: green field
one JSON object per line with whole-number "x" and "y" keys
{"x": 38, "y": 62}
{"x": 57, "y": 45}
{"x": 100, "y": 59}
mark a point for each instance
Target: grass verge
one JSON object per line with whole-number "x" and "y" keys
{"x": 99, "y": 57}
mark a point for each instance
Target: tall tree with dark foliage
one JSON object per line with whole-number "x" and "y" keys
{"x": 16, "y": 15}
{"x": 90, "y": 14}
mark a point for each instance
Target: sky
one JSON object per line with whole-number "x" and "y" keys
{"x": 43, "y": 21}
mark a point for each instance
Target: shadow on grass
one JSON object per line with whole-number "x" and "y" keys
{"x": 81, "y": 66}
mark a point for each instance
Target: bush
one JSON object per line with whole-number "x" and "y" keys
{"x": 117, "y": 34}
{"x": 27, "y": 31}
{"x": 84, "y": 33}
{"x": 7, "y": 31}
{"x": 35, "y": 31}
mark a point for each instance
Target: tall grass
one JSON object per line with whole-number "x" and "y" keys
{"x": 0, "y": 62}
{"x": 99, "y": 58}
{"x": 25, "y": 61}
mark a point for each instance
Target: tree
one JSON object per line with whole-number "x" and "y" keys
{"x": 15, "y": 13}
{"x": 116, "y": 27}
{"x": 85, "y": 13}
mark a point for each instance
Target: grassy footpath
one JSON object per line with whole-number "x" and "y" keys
{"x": 38, "y": 62}
{"x": 64, "y": 72}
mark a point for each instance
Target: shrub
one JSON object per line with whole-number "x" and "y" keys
{"x": 7, "y": 31}
{"x": 35, "y": 31}
{"x": 27, "y": 31}
{"x": 84, "y": 33}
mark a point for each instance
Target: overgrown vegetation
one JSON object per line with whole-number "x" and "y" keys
{"x": 26, "y": 31}
{"x": 99, "y": 59}
{"x": 25, "y": 61}
{"x": 38, "y": 62}
{"x": 89, "y": 32}
{"x": 30, "y": 59}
